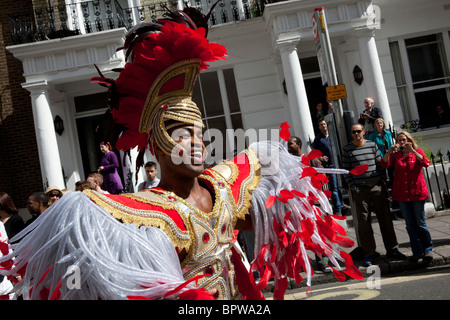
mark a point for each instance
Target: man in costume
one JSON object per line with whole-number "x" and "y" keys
{"x": 176, "y": 240}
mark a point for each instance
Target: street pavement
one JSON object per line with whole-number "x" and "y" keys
{"x": 438, "y": 223}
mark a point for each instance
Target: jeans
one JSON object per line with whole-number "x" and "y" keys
{"x": 336, "y": 194}
{"x": 414, "y": 214}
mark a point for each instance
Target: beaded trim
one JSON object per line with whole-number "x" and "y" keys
{"x": 179, "y": 238}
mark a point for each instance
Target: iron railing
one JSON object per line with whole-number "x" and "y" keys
{"x": 46, "y": 23}
{"x": 437, "y": 170}
{"x": 416, "y": 125}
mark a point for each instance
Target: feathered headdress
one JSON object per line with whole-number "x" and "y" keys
{"x": 164, "y": 61}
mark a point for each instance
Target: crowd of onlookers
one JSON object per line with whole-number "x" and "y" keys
{"x": 38, "y": 202}
{"x": 394, "y": 174}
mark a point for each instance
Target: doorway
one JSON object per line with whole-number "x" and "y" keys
{"x": 316, "y": 94}
{"x": 93, "y": 129}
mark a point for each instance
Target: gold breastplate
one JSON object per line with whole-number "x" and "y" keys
{"x": 211, "y": 236}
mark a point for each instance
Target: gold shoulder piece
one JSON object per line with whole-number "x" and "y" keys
{"x": 228, "y": 170}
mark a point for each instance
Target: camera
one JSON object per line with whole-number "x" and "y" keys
{"x": 401, "y": 148}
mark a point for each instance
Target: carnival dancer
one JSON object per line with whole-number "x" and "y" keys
{"x": 176, "y": 241}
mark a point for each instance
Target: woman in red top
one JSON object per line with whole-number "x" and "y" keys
{"x": 410, "y": 190}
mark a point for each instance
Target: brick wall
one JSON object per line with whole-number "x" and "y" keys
{"x": 20, "y": 173}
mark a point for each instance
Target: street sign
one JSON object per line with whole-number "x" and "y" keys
{"x": 336, "y": 92}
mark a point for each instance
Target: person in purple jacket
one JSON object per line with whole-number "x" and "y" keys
{"x": 108, "y": 168}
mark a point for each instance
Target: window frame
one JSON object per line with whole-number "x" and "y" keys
{"x": 411, "y": 109}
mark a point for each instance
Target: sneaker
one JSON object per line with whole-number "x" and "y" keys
{"x": 395, "y": 254}
{"x": 428, "y": 257}
{"x": 367, "y": 261}
{"x": 326, "y": 269}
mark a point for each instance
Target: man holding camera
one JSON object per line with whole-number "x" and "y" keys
{"x": 369, "y": 115}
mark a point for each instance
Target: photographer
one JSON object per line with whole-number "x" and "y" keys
{"x": 410, "y": 190}
{"x": 369, "y": 115}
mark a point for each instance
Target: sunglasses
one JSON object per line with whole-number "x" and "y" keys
{"x": 356, "y": 131}
{"x": 54, "y": 195}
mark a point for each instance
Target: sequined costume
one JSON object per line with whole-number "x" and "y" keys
{"x": 156, "y": 245}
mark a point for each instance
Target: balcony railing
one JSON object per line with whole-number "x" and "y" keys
{"x": 98, "y": 15}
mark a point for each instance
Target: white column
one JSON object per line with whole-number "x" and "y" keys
{"x": 226, "y": 109}
{"x": 373, "y": 75}
{"x": 45, "y": 134}
{"x": 298, "y": 101}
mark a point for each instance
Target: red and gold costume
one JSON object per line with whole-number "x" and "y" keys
{"x": 202, "y": 239}
{"x": 153, "y": 244}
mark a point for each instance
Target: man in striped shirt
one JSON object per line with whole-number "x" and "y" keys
{"x": 369, "y": 194}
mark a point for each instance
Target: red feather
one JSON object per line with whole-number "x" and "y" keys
{"x": 184, "y": 284}
{"x": 280, "y": 288}
{"x": 270, "y": 201}
{"x": 359, "y": 169}
{"x": 298, "y": 193}
{"x": 282, "y": 199}
{"x": 246, "y": 286}
{"x": 338, "y": 274}
{"x": 265, "y": 278}
{"x": 138, "y": 298}
{"x": 335, "y": 216}
{"x": 314, "y": 154}
{"x": 344, "y": 242}
{"x": 285, "y": 125}
{"x": 336, "y": 226}
{"x": 286, "y": 194}
{"x": 353, "y": 272}
{"x": 308, "y": 171}
{"x": 285, "y": 135}
{"x": 196, "y": 294}
{"x": 305, "y": 161}
{"x": 56, "y": 293}
{"x": 4, "y": 248}
{"x": 316, "y": 183}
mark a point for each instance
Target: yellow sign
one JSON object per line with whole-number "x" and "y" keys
{"x": 336, "y": 92}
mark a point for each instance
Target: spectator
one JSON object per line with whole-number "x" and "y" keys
{"x": 330, "y": 107}
{"x": 152, "y": 180}
{"x": 322, "y": 143}
{"x": 95, "y": 182}
{"x": 410, "y": 190}
{"x": 441, "y": 117}
{"x": 81, "y": 185}
{"x": 53, "y": 194}
{"x": 36, "y": 204}
{"x": 368, "y": 191}
{"x": 9, "y": 216}
{"x": 108, "y": 168}
{"x": 369, "y": 115}
{"x": 381, "y": 136}
{"x": 383, "y": 140}
{"x": 295, "y": 148}
{"x": 319, "y": 113}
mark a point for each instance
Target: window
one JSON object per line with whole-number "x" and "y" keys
{"x": 421, "y": 67}
{"x": 216, "y": 96}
